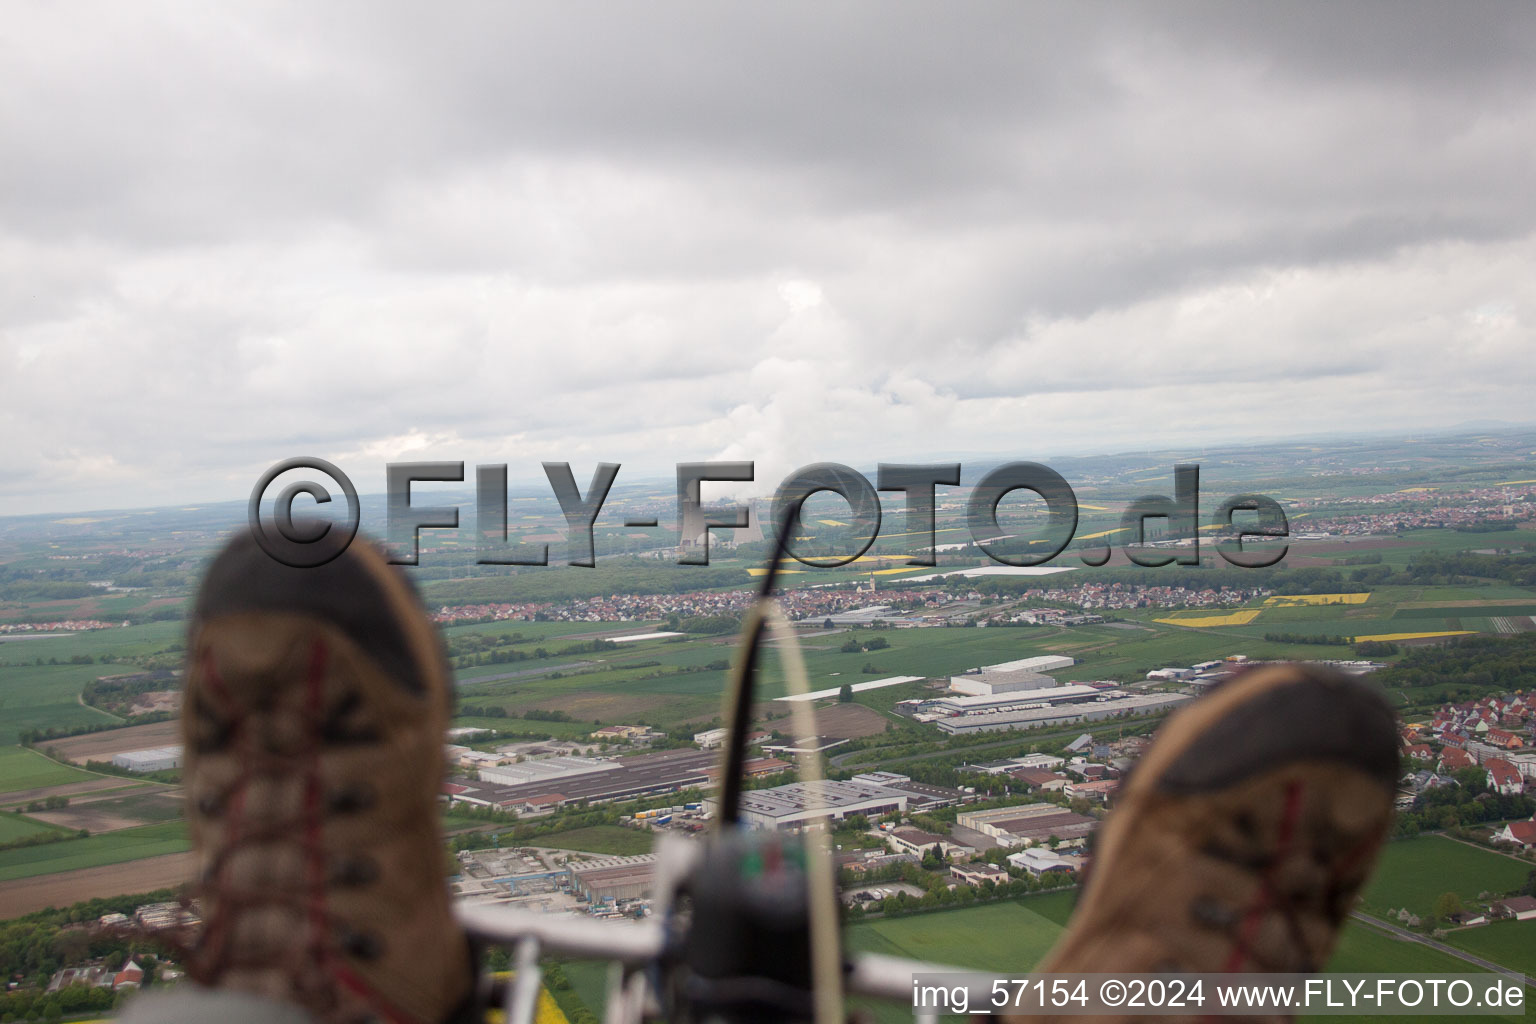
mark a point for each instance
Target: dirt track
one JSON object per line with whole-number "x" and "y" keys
{"x": 25, "y": 895}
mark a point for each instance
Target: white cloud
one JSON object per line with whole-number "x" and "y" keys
{"x": 787, "y": 234}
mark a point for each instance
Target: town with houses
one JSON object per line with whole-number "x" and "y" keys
{"x": 566, "y": 780}
{"x": 1050, "y": 801}
{"x": 1014, "y": 824}
{"x": 1419, "y": 509}
{"x": 840, "y": 606}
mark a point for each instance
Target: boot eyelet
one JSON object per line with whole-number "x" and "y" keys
{"x": 354, "y": 871}
{"x": 362, "y": 945}
{"x": 350, "y": 799}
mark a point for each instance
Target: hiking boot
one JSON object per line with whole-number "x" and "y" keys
{"x": 315, "y": 706}
{"x": 1240, "y": 840}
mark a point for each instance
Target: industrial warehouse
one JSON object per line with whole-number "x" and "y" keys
{"x": 1024, "y": 674}
{"x": 532, "y": 788}
{"x": 1030, "y": 825}
{"x": 1018, "y": 695}
{"x": 1065, "y": 708}
{"x": 556, "y": 881}
{"x": 155, "y": 759}
{"x": 871, "y": 794}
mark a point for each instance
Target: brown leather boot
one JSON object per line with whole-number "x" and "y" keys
{"x": 316, "y": 700}
{"x": 1240, "y": 841}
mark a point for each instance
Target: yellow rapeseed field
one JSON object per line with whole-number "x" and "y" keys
{"x": 548, "y": 1011}
{"x": 1297, "y": 600}
{"x": 1414, "y": 636}
{"x": 1202, "y": 621}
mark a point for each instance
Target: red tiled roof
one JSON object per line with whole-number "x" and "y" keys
{"x": 1502, "y": 772}
{"x": 544, "y": 798}
{"x": 1524, "y": 832}
{"x": 1454, "y": 758}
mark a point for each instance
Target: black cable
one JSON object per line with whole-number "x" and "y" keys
{"x": 744, "y": 676}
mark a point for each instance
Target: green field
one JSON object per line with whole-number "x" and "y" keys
{"x": 1014, "y": 936}
{"x": 94, "y": 851}
{"x": 453, "y": 821}
{"x": 1413, "y": 872}
{"x": 22, "y": 769}
{"x": 149, "y": 806}
{"x": 1018, "y": 933}
{"x": 1511, "y": 943}
{"x": 14, "y": 827}
{"x": 665, "y": 683}
{"x": 669, "y": 684}
{"x": 42, "y": 696}
{"x": 598, "y": 839}
{"x": 1451, "y": 610}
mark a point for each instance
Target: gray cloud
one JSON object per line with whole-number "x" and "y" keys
{"x": 786, "y": 233}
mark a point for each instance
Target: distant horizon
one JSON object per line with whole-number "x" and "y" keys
{"x": 763, "y": 488}
{"x": 502, "y": 235}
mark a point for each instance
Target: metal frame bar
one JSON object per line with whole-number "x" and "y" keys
{"x": 633, "y": 945}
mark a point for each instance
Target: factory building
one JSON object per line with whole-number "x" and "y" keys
{"x": 155, "y": 759}
{"x": 629, "y": 881}
{"x": 549, "y": 769}
{"x": 920, "y": 795}
{"x": 982, "y": 704}
{"x": 1030, "y": 825}
{"x": 1042, "y": 663}
{"x": 663, "y": 771}
{"x": 985, "y": 683}
{"x": 1042, "y": 862}
{"x": 1009, "y": 676}
{"x": 792, "y": 805}
{"x": 709, "y": 739}
{"x": 1107, "y": 704}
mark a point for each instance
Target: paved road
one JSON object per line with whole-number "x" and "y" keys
{"x": 1404, "y": 935}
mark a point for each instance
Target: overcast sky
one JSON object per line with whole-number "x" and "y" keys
{"x": 652, "y": 233}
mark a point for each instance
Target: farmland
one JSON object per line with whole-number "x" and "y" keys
{"x": 1511, "y": 943}
{"x": 60, "y": 889}
{"x": 93, "y": 851}
{"x": 1013, "y": 936}
{"x": 1019, "y": 933}
{"x": 1208, "y": 621}
{"x": 1413, "y": 872}
{"x": 14, "y": 827}
{"x": 23, "y": 770}
{"x": 40, "y": 696}
{"x": 100, "y": 746}
{"x": 134, "y": 806}
{"x": 553, "y": 661}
